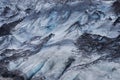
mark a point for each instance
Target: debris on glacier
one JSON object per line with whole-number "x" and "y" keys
{"x": 59, "y": 40}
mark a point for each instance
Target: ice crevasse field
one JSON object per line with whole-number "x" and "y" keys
{"x": 59, "y": 40}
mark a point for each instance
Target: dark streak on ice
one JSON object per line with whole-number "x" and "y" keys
{"x": 6, "y": 28}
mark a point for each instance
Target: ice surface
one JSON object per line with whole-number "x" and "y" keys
{"x": 59, "y": 40}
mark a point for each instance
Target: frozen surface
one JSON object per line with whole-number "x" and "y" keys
{"x": 59, "y": 40}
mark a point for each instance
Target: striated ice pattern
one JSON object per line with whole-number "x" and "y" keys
{"x": 59, "y": 40}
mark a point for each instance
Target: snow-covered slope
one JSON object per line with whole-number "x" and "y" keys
{"x": 59, "y": 40}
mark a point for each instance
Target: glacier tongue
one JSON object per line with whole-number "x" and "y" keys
{"x": 59, "y": 40}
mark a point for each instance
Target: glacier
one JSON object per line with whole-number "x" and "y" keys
{"x": 59, "y": 39}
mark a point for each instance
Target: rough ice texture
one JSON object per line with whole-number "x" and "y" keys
{"x": 59, "y": 40}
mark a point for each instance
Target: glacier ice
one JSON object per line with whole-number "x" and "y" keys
{"x": 59, "y": 40}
